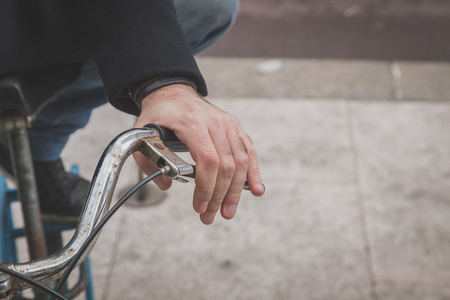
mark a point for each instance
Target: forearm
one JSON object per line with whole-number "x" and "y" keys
{"x": 135, "y": 42}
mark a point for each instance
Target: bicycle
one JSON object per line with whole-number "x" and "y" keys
{"x": 154, "y": 142}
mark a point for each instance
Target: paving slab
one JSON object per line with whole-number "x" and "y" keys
{"x": 404, "y": 151}
{"x": 425, "y": 81}
{"x": 296, "y": 138}
{"x": 300, "y": 240}
{"x": 396, "y": 292}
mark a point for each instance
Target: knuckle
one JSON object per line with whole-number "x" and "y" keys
{"x": 207, "y": 191}
{"x": 251, "y": 151}
{"x": 234, "y": 195}
{"x": 254, "y": 172}
{"x": 214, "y": 205}
{"x": 203, "y": 193}
{"x": 211, "y": 158}
{"x": 216, "y": 202}
{"x": 228, "y": 167}
{"x": 242, "y": 161}
{"x": 217, "y": 118}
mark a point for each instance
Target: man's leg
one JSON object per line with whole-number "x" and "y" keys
{"x": 203, "y": 21}
{"x": 71, "y": 111}
{"x": 62, "y": 193}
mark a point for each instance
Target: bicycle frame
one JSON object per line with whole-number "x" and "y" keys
{"x": 147, "y": 141}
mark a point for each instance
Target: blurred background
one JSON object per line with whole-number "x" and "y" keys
{"x": 347, "y": 102}
{"x": 347, "y": 29}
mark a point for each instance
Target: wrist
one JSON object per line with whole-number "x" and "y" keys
{"x": 167, "y": 93}
{"x": 141, "y": 91}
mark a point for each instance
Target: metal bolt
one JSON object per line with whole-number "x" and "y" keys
{"x": 5, "y": 285}
{"x": 3, "y": 277}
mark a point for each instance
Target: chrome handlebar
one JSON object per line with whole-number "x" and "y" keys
{"x": 97, "y": 204}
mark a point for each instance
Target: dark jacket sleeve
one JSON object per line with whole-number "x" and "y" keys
{"x": 133, "y": 41}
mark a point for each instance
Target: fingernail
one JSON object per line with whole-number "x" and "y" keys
{"x": 202, "y": 207}
{"x": 261, "y": 186}
{"x": 231, "y": 210}
{"x": 210, "y": 217}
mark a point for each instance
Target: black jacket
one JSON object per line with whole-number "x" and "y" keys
{"x": 130, "y": 40}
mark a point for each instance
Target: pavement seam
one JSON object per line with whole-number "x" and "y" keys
{"x": 396, "y": 76}
{"x": 361, "y": 205}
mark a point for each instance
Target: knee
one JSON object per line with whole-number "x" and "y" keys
{"x": 220, "y": 14}
{"x": 205, "y": 21}
{"x": 225, "y": 11}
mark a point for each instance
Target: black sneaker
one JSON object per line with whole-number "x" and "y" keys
{"x": 61, "y": 194}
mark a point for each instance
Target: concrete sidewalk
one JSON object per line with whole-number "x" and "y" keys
{"x": 355, "y": 156}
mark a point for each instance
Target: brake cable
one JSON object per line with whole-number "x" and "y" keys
{"x": 100, "y": 225}
{"x": 32, "y": 282}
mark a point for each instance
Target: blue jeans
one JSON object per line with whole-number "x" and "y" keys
{"x": 203, "y": 21}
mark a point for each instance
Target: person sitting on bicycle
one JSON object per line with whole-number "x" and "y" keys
{"x": 138, "y": 55}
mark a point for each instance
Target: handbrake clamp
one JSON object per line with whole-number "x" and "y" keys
{"x": 154, "y": 149}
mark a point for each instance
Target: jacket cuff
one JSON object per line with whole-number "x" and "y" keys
{"x": 140, "y": 91}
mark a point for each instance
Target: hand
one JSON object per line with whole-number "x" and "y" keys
{"x": 224, "y": 154}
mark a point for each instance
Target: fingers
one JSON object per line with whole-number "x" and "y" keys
{"x": 222, "y": 168}
{"x": 233, "y": 194}
{"x": 224, "y": 175}
{"x": 253, "y": 173}
{"x": 207, "y": 166}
